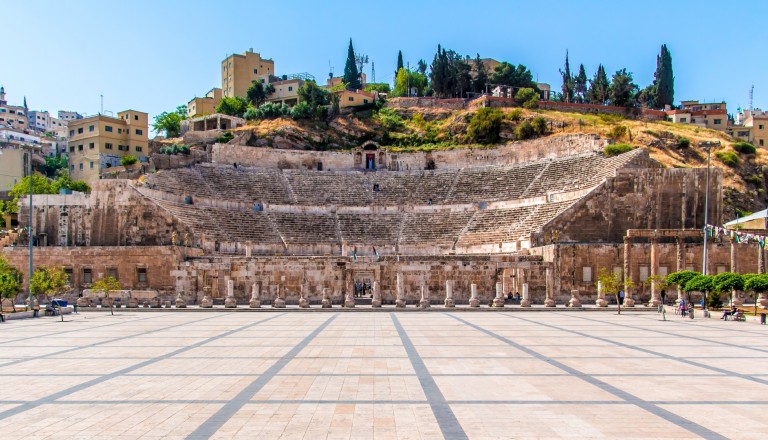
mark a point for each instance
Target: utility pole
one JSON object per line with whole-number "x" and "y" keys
{"x": 102, "y": 104}
{"x": 408, "y": 79}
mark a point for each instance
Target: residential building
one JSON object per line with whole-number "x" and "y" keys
{"x": 705, "y": 115}
{"x": 99, "y": 142}
{"x": 14, "y": 160}
{"x": 757, "y": 220}
{"x": 751, "y": 126}
{"x": 239, "y": 71}
{"x": 14, "y": 116}
{"x": 205, "y": 105}
{"x": 355, "y": 98}
{"x": 286, "y": 91}
{"x": 65, "y": 115}
{"x": 42, "y": 121}
{"x": 336, "y": 80}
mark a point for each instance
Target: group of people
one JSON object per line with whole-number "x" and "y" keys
{"x": 362, "y": 288}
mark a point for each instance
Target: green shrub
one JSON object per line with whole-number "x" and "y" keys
{"x": 610, "y": 118}
{"x": 683, "y": 142}
{"x": 744, "y": 148}
{"x": 754, "y": 179}
{"x": 617, "y": 132}
{"x": 301, "y": 110}
{"x": 616, "y": 149}
{"x": 728, "y": 158}
{"x": 389, "y": 119}
{"x": 128, "y": 160}
{"x": 524, "y": 131}
{"x": 652, "y": 133}
{"x": 485, "y": 125}
{"x": 527, "y": 97}
{"x": 539, "y": 125}
{"x": 515, "y": 115}
{"x": 714, "y": 299}
{"x": 226, "y": 137}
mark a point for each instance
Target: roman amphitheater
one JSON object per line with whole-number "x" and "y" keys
{"x": 540, "y": 218}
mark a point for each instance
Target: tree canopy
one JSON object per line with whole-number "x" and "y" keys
{"x": 407, "y": 79}
{"x": 699, "y": 283}
{"x": 480, "y": 78}
{"x": 599, "y": 87}
{"x": 568, "y": 81}
{"x": 170, "y": 122}
{"x": 727, "y": 281}
{"x": 43, "y": 185}
{"x": 757, "y": 283}
{"x": 256, "y": 95}
{"x": 623, "y": 89}
{"x": 580, "y": 85}
{"x": 232, "y": 105}
{"x": 514, "y": 76}
{"x": 49, "y": 280}
{"x": 680, "y": 278}
{"x": 106, "y": 285}
{"x": 450, "y": 74}
{"x": 664, "y": 79}
{"x": 399, "y": 61}
{"x": 10, "y": 281}
{"x": 351, "y": 74}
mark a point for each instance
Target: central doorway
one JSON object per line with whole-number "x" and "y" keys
{"x": 370, "y": 161}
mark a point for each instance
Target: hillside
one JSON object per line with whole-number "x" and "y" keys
{"x": 426, "y": 129}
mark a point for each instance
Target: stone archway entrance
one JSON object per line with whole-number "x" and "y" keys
{"x": 369, "y": 151}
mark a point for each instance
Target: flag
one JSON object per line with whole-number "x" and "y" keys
{"x": 376, "y": 252}
{"x": 354, "y": 255}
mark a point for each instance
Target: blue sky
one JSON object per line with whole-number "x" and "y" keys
{"x": 155, "y": 55}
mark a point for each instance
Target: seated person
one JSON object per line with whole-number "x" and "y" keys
{"x": 727, "y": 313}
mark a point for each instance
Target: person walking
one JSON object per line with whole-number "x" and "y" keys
{"x": 621, "y": 297}
{"x": 663, "y": 296}
{"x": 682, "y": 308}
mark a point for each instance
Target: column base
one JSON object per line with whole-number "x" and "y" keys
{"x": 400, "y": 303}
{"x": 376, "y": 303}
{"x": 230, "y": 302}
{"x": 326, "y": 304}
{"x": 254, "y": 304}
{"x": 279, "y": 303}
{"x": 498, "y": 302}
{"x": 474, "y": 302}
{"x": 207, "y": 302}
{"x": 601, "y": 303}
{"x": 574, "y": 303}
{"x": 350, "y": 303}
{"x": 449, "y": 303}
{"x": 424, "y": 304}
{"x": 549, "y": 303}
{"x": 180, "y": 303}
{"x": 654, "y": 302}
{"x": 525, "y": 303}
{"x": 303, "y": 303}
{"x": 629, "y": 302}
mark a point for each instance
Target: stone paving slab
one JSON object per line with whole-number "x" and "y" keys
{"x": 345, "y": 375}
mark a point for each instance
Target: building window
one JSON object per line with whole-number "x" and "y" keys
{"x": 139, "y": 132}
{"x": 87, "y": 275}
{"x": 108, "y": 146}
{"x": 72, "y": 168}
{"x": 365, "y": 101}
{"x": 761, "y": 126}
{"x": 108, "y": 128}
{"x": 119, "y": 131}
{"x": 586, "y": 274}
{"x": 80, "y": 147}
{"x": 91, "y": 164}
{"x": 138, "y": 148}
{"x": 255, "y": 72}
{"x": 81, "y": 166}
{"x": 141, "y": 275}
{"x": 112, "y": 272}
{"x": 72, "y": 149}
{"x": 643, "y": 273}
{"x": 68, "y": 271}
{"x": 135, "y": 117}
{"x": 80, "y": 130}
{"x": 761, "y": 143}
{"x": 71, "y": 132}
{"x": 351, "y": 99}
{"x": 90, "y": 146}
{"x": 683, "y": 119}
{"x": 718, "y": 121}
{"x": 90, "y": 128}
{"x": 290, "y": 88}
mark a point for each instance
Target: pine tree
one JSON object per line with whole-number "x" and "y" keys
{"x": 623, "y": 89}
{"x": 599, "y": 87}
{"x": 399, "y": 61}
{"x": 664, "y": 79}
{"x": 580, "y": 85}
{"x": 567, "y": 81}
{"x": 437, "y": 72}
{"x": 351, "y": 75}
{"x": 481, "y": 76}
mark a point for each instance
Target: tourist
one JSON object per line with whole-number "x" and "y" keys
{"x": 509, "y": 296}
{"x": 517, "y": 297}
{"x": 682, "y": 308}
{"x": 621, "y": 297}
{"x": 663, "y": 296}
{"x": 727, "y": 313}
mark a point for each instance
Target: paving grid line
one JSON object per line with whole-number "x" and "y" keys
{"x": 686, "y": 360}
{"x": 73, "y": 389}
{"x": 676, "y": 335}
{"x": 96, "y": 344}
{"x": 688, "y": 321}
{"x": 446, "y": 419}
{"x": 209, "y": 427}
{"x": 652, "y": 408}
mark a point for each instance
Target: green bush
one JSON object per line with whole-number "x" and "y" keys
{"x": 301, "y": 110}
{"x": 485, "y": 125}
{"x": 754, "y": 179}
{"x": 527, "y": 97}
{"x": 539, "y": 125}
{"x": 616, "y": 149}
{"x": 728, "y": 158}
{"x": 744, "y": 148}
{"x": 617, "y": 132}
{"x": 226, "y": 137}
{"x": 515, "y": 115}
{"x": 610, "y": 118}
{"x": 524, "y": 131}
{"x": 128, "y": 160}
{"x": 714, "y": 299}
{"x": 683, "y": 142}
{"x": 389, "y": 119}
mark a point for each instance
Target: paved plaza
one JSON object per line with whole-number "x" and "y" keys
{"x": 352, "y": 375}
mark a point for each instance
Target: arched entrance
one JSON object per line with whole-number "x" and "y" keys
{"x": 369, "y": 150}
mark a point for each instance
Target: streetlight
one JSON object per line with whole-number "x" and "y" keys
{"x": 708, "y": 145}
{"x": 30, "y": 149}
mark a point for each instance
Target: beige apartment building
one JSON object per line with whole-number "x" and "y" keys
{"x": 205, "y": 105}
{"x": 712, "y": 115}
{"x": 99, "y": 142}
{"x": 752, "y": 127}
{"x": 354, "y": 98}
{"x": 286, "y": 92}
{"x": 239, "y": 71}
{"x": 13, "y": 166}
{"x": 13, "y": 116}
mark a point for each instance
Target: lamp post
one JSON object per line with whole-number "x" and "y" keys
{"x": 30, "y": 149}
{"x": 708, "y": 145}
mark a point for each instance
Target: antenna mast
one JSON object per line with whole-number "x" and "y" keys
{"x": 751, "y": 94}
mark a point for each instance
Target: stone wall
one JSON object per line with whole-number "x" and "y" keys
{"x": 427, "y": 102}
{"x": 509, "y": 154}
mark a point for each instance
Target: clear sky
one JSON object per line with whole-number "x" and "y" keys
{"x": 152, "y": 55}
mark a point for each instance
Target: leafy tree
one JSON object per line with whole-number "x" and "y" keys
{"x": 170, "y": 122}
{"x": 524, "y": 131}
{"x": 301, "y": 110}
{"x": 725, "y": 282}
{"x": 377, "y": 87}
{"x": 568, "y": 81}
{"x": 49, "y": 281}
{"x": 509, "y": 75}
{"x": 66, "y": 182}
{"x": 232, "y": 105}
{"x": 399, "y": 62}
{"x": 10, "y": 282}
{"x": 599, "y": 88}
{"x": 527, "y": 97}
{"x": 128, "y": 160}
{"x": 699, "y": 283}
{"x": 580, "y": 85}
{"x": 106, "y": 285}
{"x": 313, "y": 95}
{"x": 485, "y": 125}
{"x": 539, "y": 125}
{"x": 406, "y": 79}
{"x": 680, "y": 278}
{"x": 664, "y": 79}
{"x": 351, "y": 74}
{"x": 421, "y": 67}
{"x": 623, "y": 89}
{"x": 256, "y": 95}
{"x": 53, "y": 164}
{"x": 481, "y": 76}
{"x": 611, "y": 283}
{"x": 450, "y": 74}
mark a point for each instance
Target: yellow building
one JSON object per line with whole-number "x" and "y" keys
{"x": 13, "y": 166}
{"x": 354, "y": 98}
{"x": 239, "y": 71}
{"x": 286, "y": 92}
{"x": 12, "y": 116}
{"x": 205, "y": 105}
{"x": 751, "y": 126}
{"x": 99, "y": 142}
{"x": 336, "y": 80}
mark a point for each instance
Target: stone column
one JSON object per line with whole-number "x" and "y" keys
{"x": 550, "y": 301}
{"x": 655, "y": 298}
{"x": 400, "y": 298}
{"x": 424, "y": 303}
{"x": 248, "y": 246}
{"x": 449, "y": 295}
{"x": 349, "y": 302}
{"x": 680, "y": 264}
{"x": 628, "y": 301}
{"x": 575, "y": 302}
{"x": 181, "y": 303}
{"x": 230, "y": 302}
{"x": 206, "y": 302}
{"x": 601, "y": 302}
{"x": 303, "y": 301}
{"x": 733, "y": 257}
{"x": 526, "y": 301}
{"x": 499, "y": 300}
{"x": 255, "y": 303}
{"x": 376, "y": 301}
{"x": 760, "y": 260}
{"x": 473, "y": 301}
{"x": 279, "y": 302}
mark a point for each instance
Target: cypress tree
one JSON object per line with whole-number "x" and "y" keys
{"x": 351, "y": 75}
{"x": 567, "y": 81}
{"x": 399, "y": 61}
{"x": 580, "y": 85}
{"x": 599, "y": 87}
{"x": 664, "y": 79}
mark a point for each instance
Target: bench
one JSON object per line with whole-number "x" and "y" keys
{"x": 739, "y": 316}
